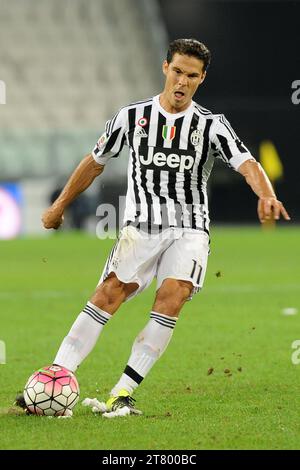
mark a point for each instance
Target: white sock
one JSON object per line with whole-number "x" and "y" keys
{"x": 82, "y": 337}
{"x": 147, "y": 348}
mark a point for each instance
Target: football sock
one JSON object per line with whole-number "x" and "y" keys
{"x": 82, "y": 337}
{"x": 147, "y": 348}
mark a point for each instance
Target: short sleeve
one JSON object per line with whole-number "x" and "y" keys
{"x": 112, "y": 140}
{"x": 226, "y": 145}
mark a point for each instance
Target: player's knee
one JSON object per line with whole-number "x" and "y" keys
{"x": 176, "y": 289}
{"x": 109, "y": 294}
{"x": 171, "y": 296}
{"x": 114, "y": 290}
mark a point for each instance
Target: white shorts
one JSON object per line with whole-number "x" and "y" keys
{"x": 175, "y": 253}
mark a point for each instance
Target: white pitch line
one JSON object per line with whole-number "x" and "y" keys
{"x": 251, "y": 288}
{"x": 239, "y": 288}
{"x": 40, "y": 294}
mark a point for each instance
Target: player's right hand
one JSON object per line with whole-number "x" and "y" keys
{"x": 52, "y": 218}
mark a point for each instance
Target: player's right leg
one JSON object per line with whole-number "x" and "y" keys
{"x": 86, "y": 329}
{"x": 130, "y": 267}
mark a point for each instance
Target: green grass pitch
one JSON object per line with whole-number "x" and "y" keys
{"x": 236, "y": 323}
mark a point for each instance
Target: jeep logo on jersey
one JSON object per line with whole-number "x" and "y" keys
{"x": 166, "y": 159}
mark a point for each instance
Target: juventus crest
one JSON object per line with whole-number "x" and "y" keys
{"x": 197, "y": 137}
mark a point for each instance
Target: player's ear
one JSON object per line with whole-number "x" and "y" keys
{"x": 202, "y": 77}
{"x": 165, "y": 67}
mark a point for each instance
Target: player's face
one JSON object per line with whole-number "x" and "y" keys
{"x": 183, "y": 76}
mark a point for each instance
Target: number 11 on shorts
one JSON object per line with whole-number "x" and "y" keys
{"x": 197, "y": 269}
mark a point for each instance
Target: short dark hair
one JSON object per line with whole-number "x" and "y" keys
{"x": 191, "y": 47}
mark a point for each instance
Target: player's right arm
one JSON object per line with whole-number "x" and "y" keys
{"x": 83, "y": 176}
{"x": 110, "y": 144}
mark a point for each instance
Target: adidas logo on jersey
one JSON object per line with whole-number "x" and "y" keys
{"x": 166, "y": 159}
{"x": 140, "y": 132}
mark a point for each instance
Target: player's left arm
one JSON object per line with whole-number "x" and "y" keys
{"x": 268, "y": 205}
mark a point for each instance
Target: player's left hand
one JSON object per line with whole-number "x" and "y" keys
{"x": 269, "y": 208}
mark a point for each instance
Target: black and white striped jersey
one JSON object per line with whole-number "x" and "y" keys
{"x": 171, "y": 158}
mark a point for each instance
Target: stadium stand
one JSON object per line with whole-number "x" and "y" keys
{"x": 68, "y": 66}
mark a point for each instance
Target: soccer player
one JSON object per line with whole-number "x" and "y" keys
{"x": 173, "y": 143}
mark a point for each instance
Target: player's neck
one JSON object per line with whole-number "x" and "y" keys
{"x": 167, "y": 106}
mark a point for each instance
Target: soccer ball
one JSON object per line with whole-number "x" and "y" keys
{"x": 51, "y": 391}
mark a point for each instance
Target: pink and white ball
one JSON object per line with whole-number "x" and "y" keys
{"x": 51, "y": 391}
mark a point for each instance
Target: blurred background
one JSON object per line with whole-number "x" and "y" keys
{"x": 66, "y": 66}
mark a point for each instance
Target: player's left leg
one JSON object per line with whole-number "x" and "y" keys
{"x": 155, "y": 337}
{"x": 151, "y": 342}
{"x": 180, "y": 274}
